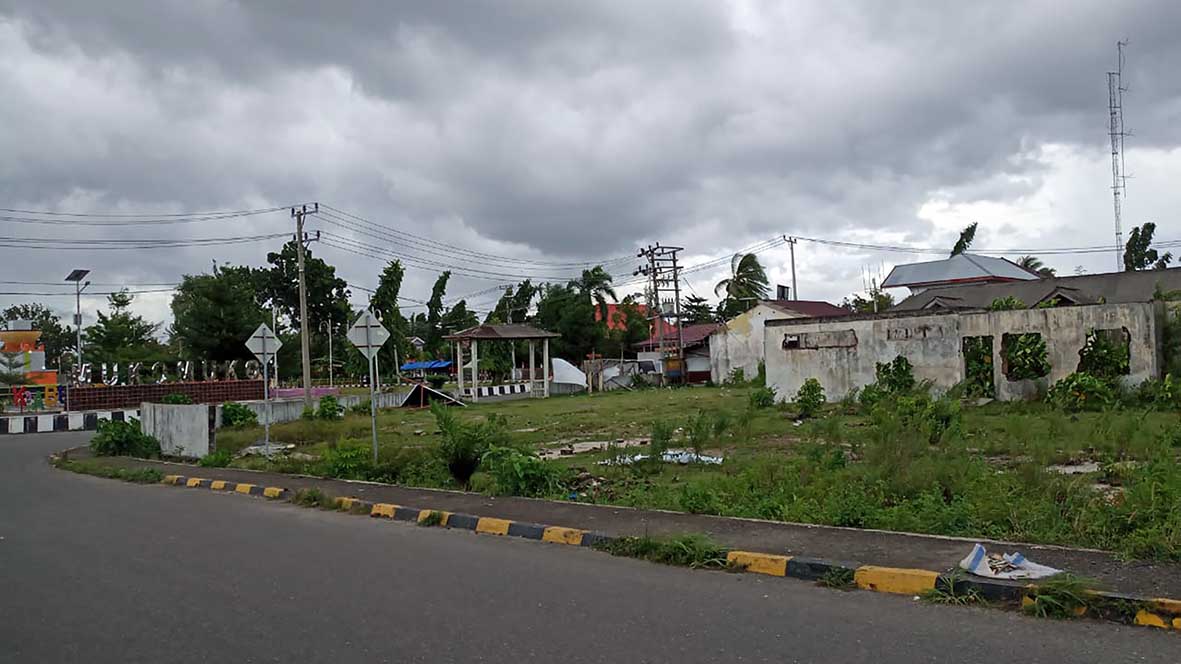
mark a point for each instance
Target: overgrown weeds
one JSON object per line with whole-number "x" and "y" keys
{"x": 1060, "y": 596}
{"x": 115, "y": 438}
{"x": 838, "y": 578}
{"x": 313, "y": 498}
{"x": 137, "y": 475}
{"x": 696, "y": 551}
{"x": 431, "y": 519}
{"x": 953, "y": 591}
{"x": 217, "y": 459}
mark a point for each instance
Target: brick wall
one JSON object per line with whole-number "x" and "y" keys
{"x": 121, "y": 396}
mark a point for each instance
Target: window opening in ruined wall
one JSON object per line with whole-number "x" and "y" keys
{"x": 1024, "y": 356}
{"x": 978, "y": 380}
{"x": 1106, "y": 353}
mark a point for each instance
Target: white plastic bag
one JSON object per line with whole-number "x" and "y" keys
{"x": 1008, "y": 566}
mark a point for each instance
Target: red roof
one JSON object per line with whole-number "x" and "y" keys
{"x": 809, "y": 308}
{"x": 692, "y": 335}
{"x": 617, "y": 317}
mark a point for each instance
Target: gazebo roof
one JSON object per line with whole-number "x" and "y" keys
{"x": 502, "y": 332}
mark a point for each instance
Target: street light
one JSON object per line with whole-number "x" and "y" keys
{"x": 327, "y": 327}
{"x": 76, "y": 277}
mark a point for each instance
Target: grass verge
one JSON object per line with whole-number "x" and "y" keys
{"x": 695, "y": 551}
{"x": 137, "y": 475}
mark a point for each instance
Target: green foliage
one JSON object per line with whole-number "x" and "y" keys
{"x": 762, "y": 397}
{"x": 120, "y": 336}
{"x": 235, "y": 415}
{"x": 1081, "y": 391}
{"x": 360, "y": 408}
{"x": 1138, "y": 252}
{"x": 696, "y": 551}
{"x": 810, "y": 398}
{"x": 313, "y": 498}
{"x": 937, "y": 419}
{"x": 137, "y": 475}
{"x": 953, "y": 591}
{"x": 1060, "y": 596}
{"x": 330, "y": 409}
{"x": 1103, "y": 356}
{"x": 1025, "y": 356}
{"x": 700, "y": 432}
{"x": 1007, "y": 303}
{"x": 465, "y": 443}
{"x": 965, "y": 239}
{"x": 384, "y": 303}
{"x": 737, "y": 377}
{"x": 978, "y": 367}
{"x": 760, "y": 379}
{"x": 436, "y": 381}
{"x": 746, "y": 285}
{"x": 327, "y": 294}
{"x": 213, "y": 313}
{"x": 12, "y": 368}
{"x": 878, "y": 300}
{"x": 56, "y": 338}
{"x": 896, "y": 376}
{"x": 123, "y": 439}
{"x": 431, "y": 519}
{"x": 517, "y": 473}
{"x": 1162, "y": 394}
{"x": 838, "y": 578}
{"x": 346, "y": 462}
{"x": 695, "y": 309}
{"x": 177, "y": 398}
{"x": 217, "y": 459}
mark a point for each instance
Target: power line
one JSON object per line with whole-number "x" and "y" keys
{"x": 134, "y": 218}
{"x": 91, "y": 244}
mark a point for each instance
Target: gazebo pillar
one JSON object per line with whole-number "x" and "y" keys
{"x": 532, "y": 373}
{"x": 458, "y": 347}
{"x": 545, "y": 365}
{"x": 475, "y": 370}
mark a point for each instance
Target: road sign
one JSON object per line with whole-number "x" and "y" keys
{"x": 263, "y": 343}
{"x": 368, "y": 334}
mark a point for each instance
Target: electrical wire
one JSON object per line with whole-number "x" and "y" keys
{"x": 108, "y": 244}
{"x": 128, "y": 219}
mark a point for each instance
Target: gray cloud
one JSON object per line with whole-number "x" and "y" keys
{"x": 561, "y": 131}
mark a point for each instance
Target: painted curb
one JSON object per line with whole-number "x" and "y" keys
{"x": 1161, "y": 613}
{"x": 77, "y": 420}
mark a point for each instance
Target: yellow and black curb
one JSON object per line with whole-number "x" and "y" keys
{"x": 1152, "y": 612}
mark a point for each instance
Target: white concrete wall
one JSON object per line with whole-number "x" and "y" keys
{"x": 739, "y": 343}
{"x": 843, "y": 353}
{"x": 289, "y": 410}
{"x": 183, "y": 430}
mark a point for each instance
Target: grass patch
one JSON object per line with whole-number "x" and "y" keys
{"x": 431, "y": 519}
{"x": 953, "y": 592}
{"x": 313, "y": 498}
{"x": 695, "y": 551}
{"x": 837, "y": 578}
{"x": 1061, "y": 596}
{"x": 137, "y": 475}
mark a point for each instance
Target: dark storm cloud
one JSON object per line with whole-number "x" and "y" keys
{"x": 572, "y": 130}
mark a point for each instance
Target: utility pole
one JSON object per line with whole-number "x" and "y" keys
{"x": 791, "y": 243}
{"x": 305, "y": 347}
{"x": 1116, "y": 132}
{"x": 665, "y": 274}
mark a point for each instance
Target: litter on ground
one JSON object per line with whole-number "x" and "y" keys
{"x": 682, "y": 457}
{"x": 1007, "y": 566}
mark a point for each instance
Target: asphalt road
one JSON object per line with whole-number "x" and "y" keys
{"x": 95, "y": 570}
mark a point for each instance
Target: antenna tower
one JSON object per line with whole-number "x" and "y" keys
{"x": 1119, "y": 179}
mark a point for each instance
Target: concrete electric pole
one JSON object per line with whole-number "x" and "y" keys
{"x": 304, "y": 339}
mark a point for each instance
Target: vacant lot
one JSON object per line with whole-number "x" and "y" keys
{"x": 1028, "y": 472}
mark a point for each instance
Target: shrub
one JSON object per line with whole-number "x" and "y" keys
{"x": 699, "y": 431}
{"x": 737, "y": 376}
{"x": 762, "y": 397}
{"x": 350, "y": 463}
{"x": 176, "y": 398}
{"x": 1163, "y": 394}
{"x": 895, "y": 377}
{"x": 760, "y": 379}
{"x": 517, "y": 473}
{"x": 436, "y": 381}
{"x": 360, "y": 408}
{"x": 123, "y": 439}
{"x": 1102, "y": 357}
{"x": 810, "y": 398}
{"x": 308, "y": 413}
{"x": 978, "y": 367}
{"x": 871, "y": 395}
{"x": 721, "y": 424}
{"x": 1060, "y": 596}
{"x": 235, "y": 415}
{"x": 330, "y": 408}
{"x": 1007, "y": 303}
{"x": 464, "y": 444}
{"x": 1081, "y": 391}
{"x": 1025, "y": 356}
{"x": 218, "y": 459}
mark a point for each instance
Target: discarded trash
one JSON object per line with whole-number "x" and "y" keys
{"x": 1007, "y": 566}
{"x": 588, "y": 446}
{"x": 265, "y": 450}
{"x": 682, "y": 457}
{"x": 1074, "y": 468}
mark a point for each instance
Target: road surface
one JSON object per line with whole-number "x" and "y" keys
{"x": 95, "y": 570}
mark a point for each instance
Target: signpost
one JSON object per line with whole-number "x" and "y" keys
{"x": 264, "y": 344}
{"x": 368, "y": 335}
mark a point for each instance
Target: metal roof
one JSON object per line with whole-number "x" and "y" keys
{"x": 1109, "y": 287}
{"x": 959, "y": 268}
{"x": 809, "y": 308}
{"x": 507, "y": 331}
{"x": 693, "y": 335}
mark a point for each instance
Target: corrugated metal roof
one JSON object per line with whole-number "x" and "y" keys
{"x": 962, "y": 267}
{"x": 1110, "y": 287}
{"x": 507, "y": 331}
{"x": 810, "y": 308}
{"x": 692, "y": 334}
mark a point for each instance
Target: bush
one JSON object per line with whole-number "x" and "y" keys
{"x": 436, "y": 381}
{"x": 464, "y": 444}
{"x": 936, "y": 418}
{"x": 349, "y": 463}
{"x": 1081, "y": 391}
{"x": 699, "y": 431}
{"x": 176, "y": 398}
{"x": 360, "y": 408}
{"x": 810, "y": 398}
{"x": 123, "y": 439}
{"x": 413, "y": 466}
{"x": 218, "y": 459}
{"x": 308, "y": 413}
{"x": 517, "y": 473}
{"x": 1007, "y": 303}
{"x": 1025, "y": 356}
{"x": 895, "y": 377}
{"x": 330, "y": 409}
{"x": 737, "y": 376}
{"x": 1163, "y": 394}
{"x": 236, "y": 416}
{"x": 762, "y": 397}
{"x": 1102, "y": 357}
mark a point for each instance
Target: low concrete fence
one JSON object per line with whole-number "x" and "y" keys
{"x": 289, "y": 410}
{"x": 183, "y": 430}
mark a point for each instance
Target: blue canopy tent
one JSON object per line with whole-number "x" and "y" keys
{"x": 426, "y": 365}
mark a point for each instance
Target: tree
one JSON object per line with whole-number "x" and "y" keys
{"x": 433, "y": 337}
{"x": 695, "y": 309}
{"x": 56, "y": 338}
{"x": 566, "y": 310}
{"x": 1035, "y": 264}
{"x": 1139, "y": 254}
{"x": 121, "y": 336}
{"x": 12, "y": 371}
{"x": 595, "y": 283}
{"x": 635, "y": 329}
{"x": 328, "y": 295}
{"x": 213, "y": 314}
{"x": 965, "y": 241}
{"x": 385, "y": 303}
{"x": 865, "y": 305}
{"x": 746, "y": 284}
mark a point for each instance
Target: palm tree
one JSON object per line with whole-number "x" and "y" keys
{"x": 596, "y": 284}
{"x": 1035, "y": 264}
{"x": 747, "y": 282}
{"x": 965, "y": 241}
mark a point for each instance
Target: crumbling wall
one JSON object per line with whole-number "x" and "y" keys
{"x": 738, "y": 344}
{"x": 842, "y": 353}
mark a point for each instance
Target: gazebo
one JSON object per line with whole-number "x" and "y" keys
{"x": 512, "y": 332}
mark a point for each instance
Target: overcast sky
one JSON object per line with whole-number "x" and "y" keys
{"x": 564, "y": 132}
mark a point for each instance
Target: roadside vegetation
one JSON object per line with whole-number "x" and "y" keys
{"x": 1092, "y": 465}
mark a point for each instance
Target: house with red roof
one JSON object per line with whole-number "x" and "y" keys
{"x": 737, "y": 344}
